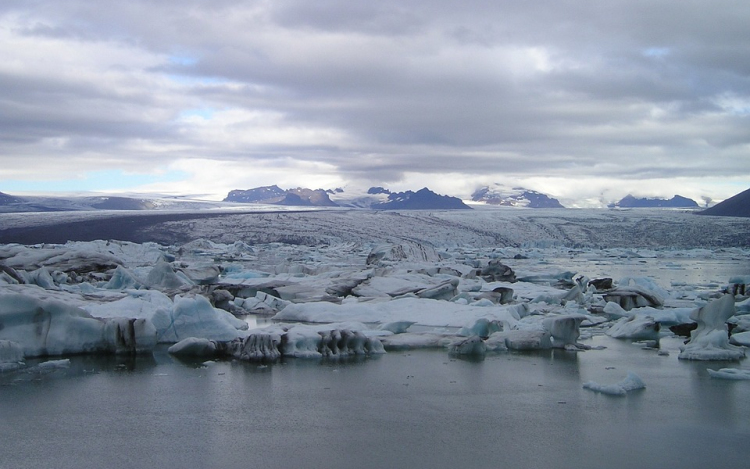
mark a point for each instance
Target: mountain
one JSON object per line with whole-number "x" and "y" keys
{"x": 6, "y": 199}
{"x": 735, "y": 206}
{"x": 377, "y": 190}
{"x": 515, "y": 197}
{"x": 675, "y": 202}
{"x": 274, "y": 195}
{"x": 257, "y": 195}
{"x": 423, "y": 199}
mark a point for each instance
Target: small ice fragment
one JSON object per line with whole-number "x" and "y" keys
{"x": 729, "y": 373}
{"x": 630, "y": 383}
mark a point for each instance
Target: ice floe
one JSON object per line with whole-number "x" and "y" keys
{"x": 631, "y": 382}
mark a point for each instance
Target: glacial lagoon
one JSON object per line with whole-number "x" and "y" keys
{"x": 403, "y": 409}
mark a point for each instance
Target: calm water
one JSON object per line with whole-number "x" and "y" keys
{"x": 403, "y": 409}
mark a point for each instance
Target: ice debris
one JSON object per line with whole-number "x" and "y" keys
{"x": 630, "y": 383}
{"x": 729, "y": 373}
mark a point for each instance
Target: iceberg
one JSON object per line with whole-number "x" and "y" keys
{"x": 710, "y": 341}
{"x": 11, "y": 355}
{"x": 194, "y": 347}
{"x": 630, "y": 383}
{"x": 473, "y": 346}
{"x": 564, "y": 330}
{"x": 635, "y": 327}
{"x": 195, "y": 317}
{"x": 517, "y": 339}
{"x": 51, "y": 327}
{"x": 303, "y": 341}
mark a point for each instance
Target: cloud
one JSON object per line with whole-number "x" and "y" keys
{"x": 632, "y": 93}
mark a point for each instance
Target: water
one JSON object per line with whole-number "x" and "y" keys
{"x": 403, "y": 409}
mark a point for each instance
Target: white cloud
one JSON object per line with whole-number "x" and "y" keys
{"x": 586, "y": 102}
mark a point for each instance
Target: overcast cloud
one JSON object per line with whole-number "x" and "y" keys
{"x": 585, "y": 100}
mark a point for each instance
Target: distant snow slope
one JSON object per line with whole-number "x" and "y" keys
{"x": 497, "y": 194}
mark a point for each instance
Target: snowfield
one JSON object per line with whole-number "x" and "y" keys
{"x": 468, "y": 282}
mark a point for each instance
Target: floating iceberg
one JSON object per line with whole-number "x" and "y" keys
{"x": 635, "y": 327}
{"x": 50, "y": 327}
{"x": 710, "y": 341}
{"x": 303, "y": 341}
{"x": 194, "y": 347}
{"x": 195, "y": 317}
{"x": 630, "y": 383}
{"x": 564, "y": 330}
{"x": 11, "y": 355}
{"x": 729, "y": 373}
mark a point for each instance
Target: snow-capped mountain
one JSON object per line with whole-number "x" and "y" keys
{"x": 276, "y": 196}
{"x": 423, "y": 199}
{"x": 498, "y": 194}
{"x": 6, "y": 199}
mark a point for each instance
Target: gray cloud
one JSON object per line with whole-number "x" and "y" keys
{"x": 382, "y": 89}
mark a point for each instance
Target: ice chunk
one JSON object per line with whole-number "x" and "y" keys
{"x": 11, "y": 355}
{"x": 123, "y": 279}
{"x": 50, "y": 365}
{"x": 417, "y": 310}
{"x": 710, "y": 341}
{"x": 740, "y": 338}
{"x": 163, "y": 277}
{"x": 40, "y": 277}
{"x": 51, "y": 327}
{"x": 202, "y": 274}
{"x": 195, "y": 317}
{"x": 417, "y": 340}
{"x": 259, "y": 345}
{"x": 630, "y": 383}
{"x": 522, "y": 339}
{"x": 574, "y": 294}
{"x": 633, "y": 297}
{"x": 194, "y": 347}
{"x": 444, "y": 291}
{"x": 635, "y": 328}
{"x": 303, "y": 341}
{"x": 614, "y": 310}
{"x": 473, "y": 345}
{"x": 496, "y": 271}
{"x": 729, "y": 373}
{"x": 482, "y": 327}
{"x": 397, "y": 327}
{"x": 564, "y": 330}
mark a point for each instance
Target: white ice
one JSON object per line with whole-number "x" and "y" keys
{"x": 710, "y": 341}
{"x": 621, "y": 388}
{"x": 729, "y": 373}
{"x": 50, "y": 327}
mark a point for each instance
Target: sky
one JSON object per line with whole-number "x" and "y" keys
{"x": 584, "y": 100}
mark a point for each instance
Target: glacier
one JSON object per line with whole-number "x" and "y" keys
{"x": 378, "y": 282}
